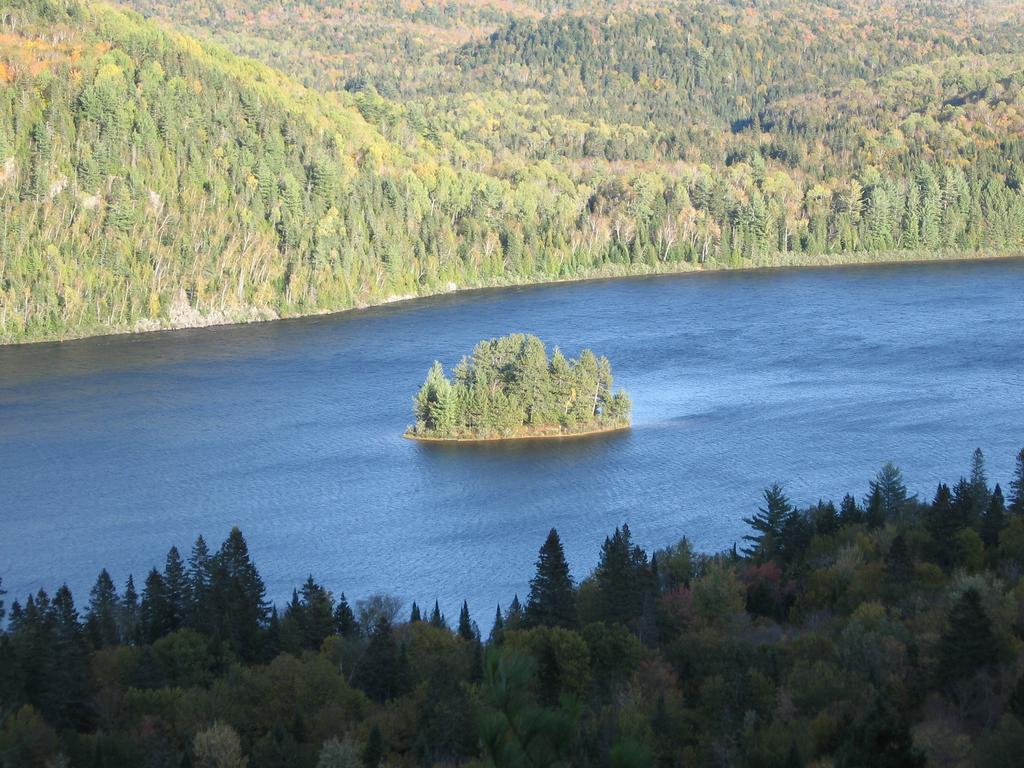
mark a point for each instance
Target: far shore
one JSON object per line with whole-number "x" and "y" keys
{"x": 248, "y": 315}
{"x": 409, "y": 435}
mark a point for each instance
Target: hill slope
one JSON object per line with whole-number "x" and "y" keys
{"x": 150, "y": 180}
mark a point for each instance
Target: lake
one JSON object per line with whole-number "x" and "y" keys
{"x": 112, "y": 449}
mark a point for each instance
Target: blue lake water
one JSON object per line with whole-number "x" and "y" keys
{"x": 112, "y": 449}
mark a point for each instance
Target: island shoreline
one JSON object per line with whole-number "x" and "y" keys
{"x": 561, "y": 436}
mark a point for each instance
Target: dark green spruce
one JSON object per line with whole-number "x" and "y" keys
{"x": 509, "y": 387}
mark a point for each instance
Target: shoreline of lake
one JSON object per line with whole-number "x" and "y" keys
{"x": 248, "y": 315}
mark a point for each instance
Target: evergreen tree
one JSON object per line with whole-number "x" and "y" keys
{"x": 968, "y": 643}
{"x": 465, "y": 625}
{"x": 515, "y": 729}
{"x": 414, "y": 615}
{"x": 514, "y": 618}
{"x": 1017, "y": 486}
{"x": 552, "y": 599}
{"x": 794, "y": 538}
{"x": 874, "y": 509}
{"x": 177, "y": 602}
{"x": 825, "y": 518}
{"x": 994, "y": 519}
{"x": 200, "y": 579}
{"x": 979, "y": 493}
{"x": 889, "y": 492}
{"x": 623, "y": 578}
{"x": 436, "y": 619}
{"x": 498, "y": 629}
{"x": 963, "y": 503}
{"x": 849, "y": 512}
{"x": 275, "y": 639}
{"x": 101, "y": 623}
{"x": 315, "y": 615}
{"x": 379, "y": 672}
{"x": 238, "y": 597}
{"x": 128, "y": 618}
{"x": 153, "y": 610}
{"x": 943, "y": 522}
{"x": 67, "y": 689}
{"x": 345, "y": 623}
{"x": 767, "y": 524}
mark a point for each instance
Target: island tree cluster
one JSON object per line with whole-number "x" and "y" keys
{"x": 510, "y": 387}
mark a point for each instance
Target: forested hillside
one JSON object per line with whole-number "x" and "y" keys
{"x": 149, "y": 180}
{"x": 883, "y": 632}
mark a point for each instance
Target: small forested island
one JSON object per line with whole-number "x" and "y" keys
{"x": 511, "y": 389}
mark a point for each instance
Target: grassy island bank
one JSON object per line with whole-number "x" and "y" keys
{"x": 510, "y": 389}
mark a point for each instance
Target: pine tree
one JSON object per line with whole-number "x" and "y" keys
{"x": 465, "y": 625}
{"x": 943, "y": 523}
{"x": 963, "y": 503}
{"x": 767, "y": 524}
{"x": 979, "y": 492}
{"x": 888, "y": 490}
{"x": 623, "y": 578}
{"x": 552, "y": 600}
{"x": 874, "y": 509}
{"x": 101, "y": 623}
{"x": 1017, "y": 486}
{"x": 177, "y": 602}
{"x": 238, "y": 597}
{"x": 414, "y": 615}
{"x": 200, "y": 577}
{"x": 515, "y": 730}
{"x": 379, "y": 673}
{"x": 67, "y": 688}
{"x": 794, "y": 538}
{"x": 436, "y": 619}
{"x": 849, "y": 512}
{"x": 317, "y": 615}
{"x": 498, "y": 629}
{"x": 994, "y": 519}
{"x": 345, "y": 623}
{"x": 968, "y": 643}
{"x": 514, "y": 617}
{"x": 825, "y": 518}
{"x": 128, "y": 618}
{"x": 153, "y": 609}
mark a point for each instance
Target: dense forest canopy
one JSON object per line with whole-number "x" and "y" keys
{"x": 885, "y": 632}
{"x": 511, "y": 388}
{"x": 150, "y": 180}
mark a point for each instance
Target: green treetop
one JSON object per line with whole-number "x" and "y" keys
{"x": 510, "y": 387}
